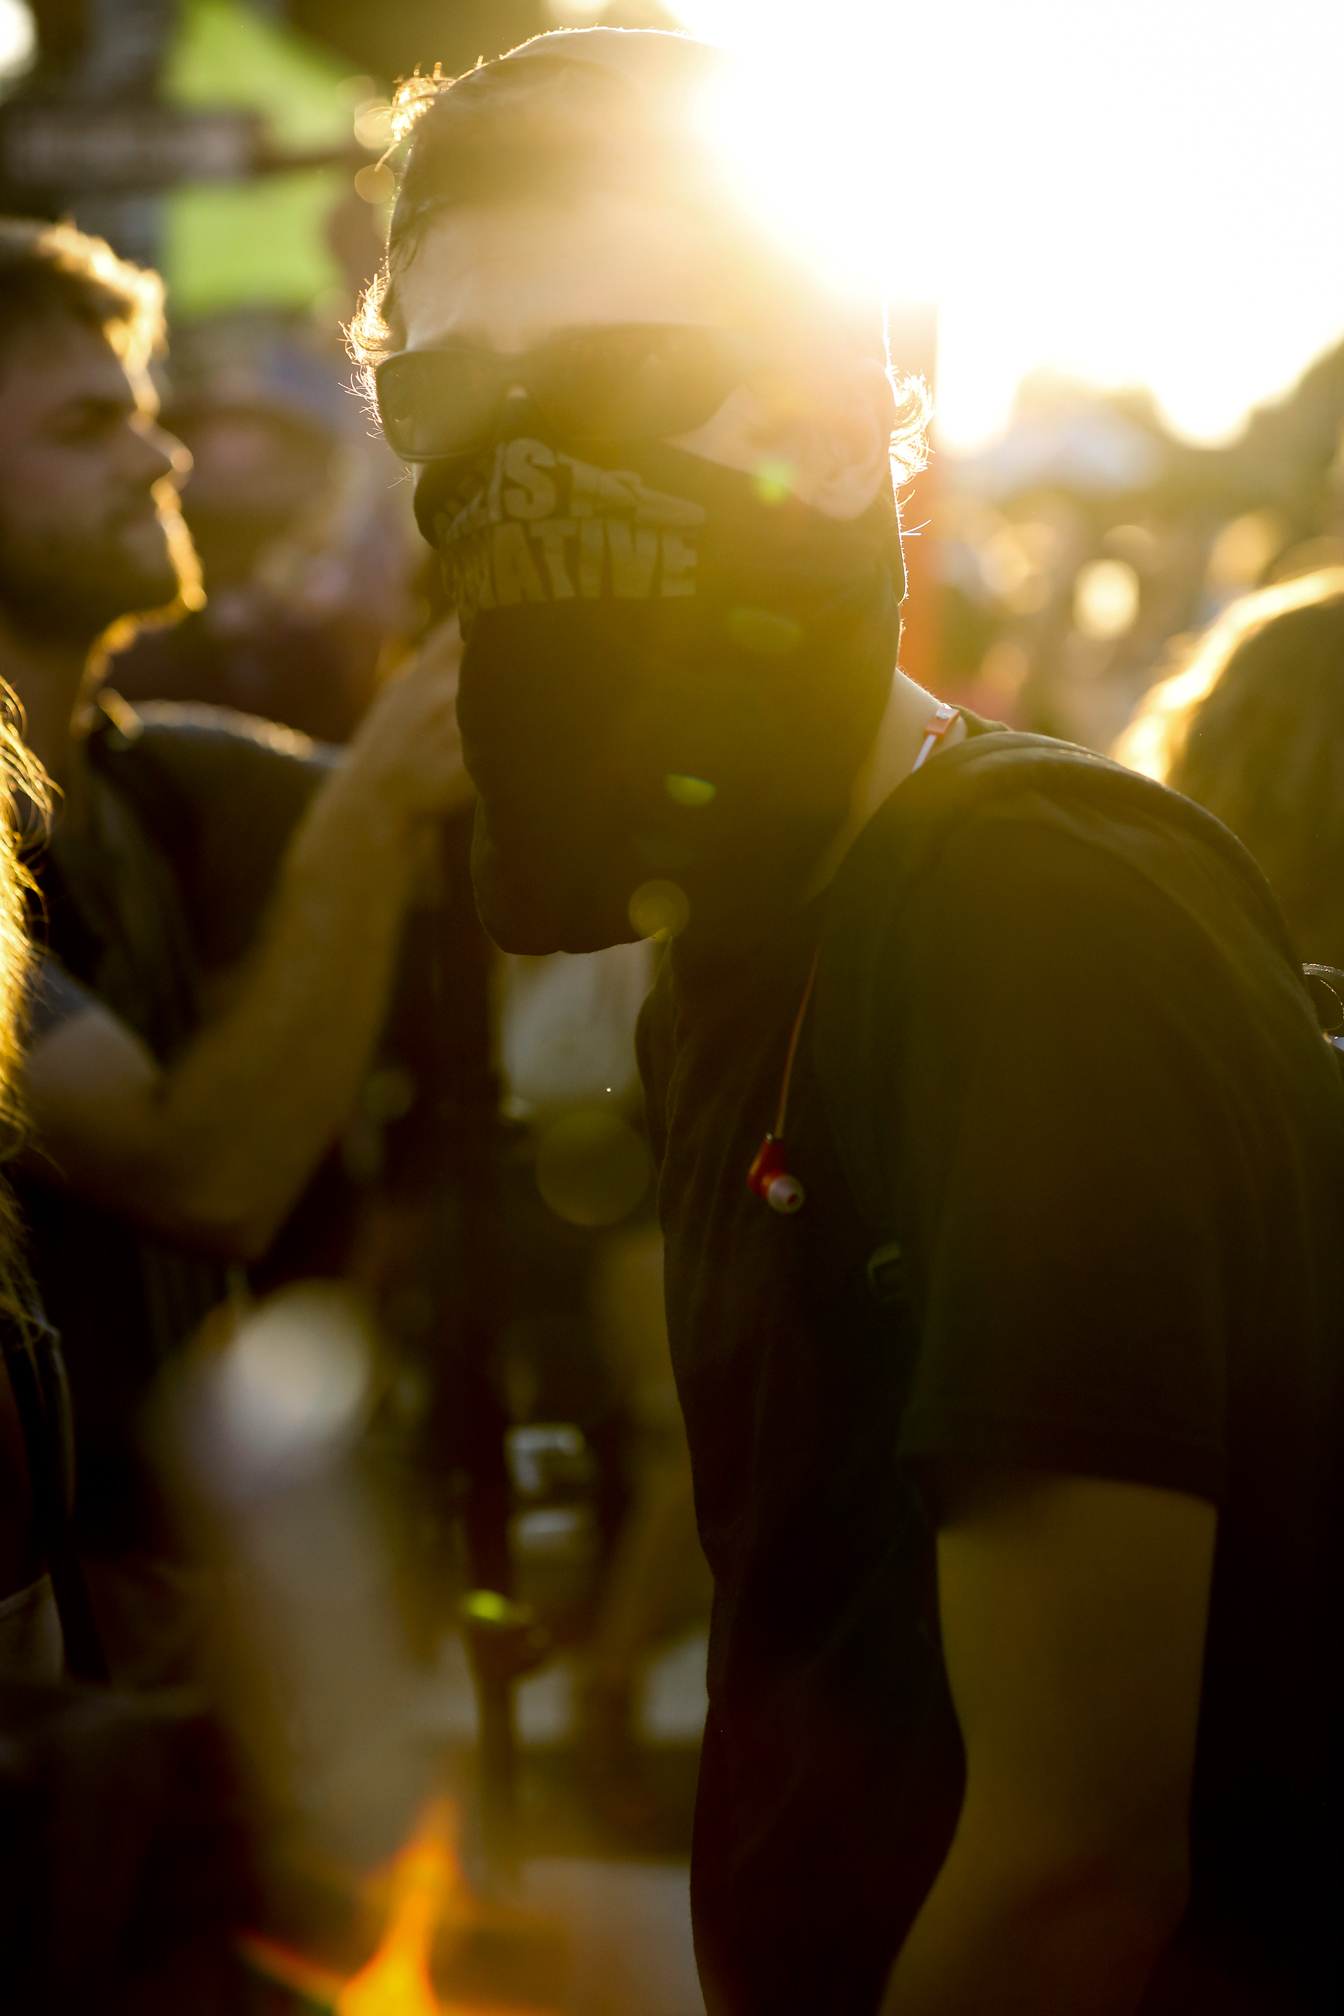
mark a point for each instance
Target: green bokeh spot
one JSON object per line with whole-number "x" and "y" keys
{"x": 251, "y": 244}
{"x": 766, "y": 633}
{"x": 485, "y": 1606}
{"x": 772, "y": 481}
{"x": 227, "y": 53}
{"x": 263, "y": 242}
{"x": 691, "y": 791}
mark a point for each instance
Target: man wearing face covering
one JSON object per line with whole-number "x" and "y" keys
{"x": 1002, "y": 1159}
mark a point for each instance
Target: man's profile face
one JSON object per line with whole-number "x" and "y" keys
{"x": 87, "y": 484}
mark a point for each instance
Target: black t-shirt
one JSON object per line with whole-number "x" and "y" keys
{"x": 1058, "y": 1033}
{"x": 191, "y": 809}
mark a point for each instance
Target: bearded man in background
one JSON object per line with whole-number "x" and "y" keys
{"x": 222, "y": 902}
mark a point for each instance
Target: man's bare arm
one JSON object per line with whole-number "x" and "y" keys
{"x": 1073, "y": 1616}
{"x": 214, "y": 1150}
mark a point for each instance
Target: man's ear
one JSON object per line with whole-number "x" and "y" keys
{"x": 854, "y": 441}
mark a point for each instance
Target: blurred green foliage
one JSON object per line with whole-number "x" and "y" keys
{"x": 258, "y": 243}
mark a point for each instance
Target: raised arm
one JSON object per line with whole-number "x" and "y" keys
{"x": 214, "y": 1150}
{"x": 1073, "y": 1617}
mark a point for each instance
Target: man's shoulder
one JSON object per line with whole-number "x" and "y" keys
{"x": 188, "y": 733}
{"x": 189, "y": 768}
{"x": 1004, "y": 778}
{"x": 218, "y": 795}
{"x": 1007, "y": 826}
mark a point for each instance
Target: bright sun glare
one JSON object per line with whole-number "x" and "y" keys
{"x": 16, "y": 37}
{"x": 1146, "y": 195}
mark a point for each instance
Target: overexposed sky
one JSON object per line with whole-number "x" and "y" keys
{"x": 16, "y": 36}
{"x": 1147, "y": 193}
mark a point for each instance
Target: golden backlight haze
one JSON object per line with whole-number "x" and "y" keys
{"x": 1146, "y": 194}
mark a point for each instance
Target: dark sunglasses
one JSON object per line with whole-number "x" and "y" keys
{"x": 636, "y": 382}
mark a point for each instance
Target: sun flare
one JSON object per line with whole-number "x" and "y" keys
{"x": 1143, "y": 196}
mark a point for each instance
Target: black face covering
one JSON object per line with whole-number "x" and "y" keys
{"x": 672, "y": 672}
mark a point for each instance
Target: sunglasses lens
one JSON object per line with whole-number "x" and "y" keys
{"x": 596, "y": 385}
{"x": 627, "y": 384}
{"x": 437, "y": 403}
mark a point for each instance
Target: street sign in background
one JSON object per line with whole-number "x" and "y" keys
{"x": 216, "y": 139}
{"x": 203, "y": 137}
{"x": 74, "y": 146}
{"x": 84, "y": 134}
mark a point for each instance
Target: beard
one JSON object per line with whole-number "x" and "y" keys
{"x": 71, "y": 586}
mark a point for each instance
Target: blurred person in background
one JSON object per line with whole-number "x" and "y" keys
{"x": 1090, "y": 542}
{"x": 1011, "y": 1357}
{"x": 301, "y": 529}
{"x": 587, "y": 1339}
{"x": 1253, "y": 729}
{"x": 312, "y": 575}
{"x": 125, "y": 1868}
{"x": 221, "y": 907}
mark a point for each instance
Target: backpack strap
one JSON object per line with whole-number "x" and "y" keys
{"x": 845, "y": 1052}
{"x": 844, "y": 1038}
{"x": 845, "y": 1057}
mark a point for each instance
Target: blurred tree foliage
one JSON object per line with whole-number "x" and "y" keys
{"x": 262, "y": 242}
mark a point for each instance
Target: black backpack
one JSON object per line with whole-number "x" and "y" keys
{"x": 903, "y": 837}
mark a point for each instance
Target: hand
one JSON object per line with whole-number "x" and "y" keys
{"x": 407, "y": 752}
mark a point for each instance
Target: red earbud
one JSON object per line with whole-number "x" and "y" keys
{"x": 769, "y": 1178}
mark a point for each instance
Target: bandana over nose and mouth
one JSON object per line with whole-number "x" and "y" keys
{"x": 671, "y": 674}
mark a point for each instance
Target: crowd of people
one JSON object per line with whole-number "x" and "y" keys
{"x": 999, "y": 1133}
{"x": 1085, "y": 551}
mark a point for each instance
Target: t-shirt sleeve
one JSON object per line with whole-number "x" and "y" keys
{"x": 247, "y": 784}
{"x": 1070, "y": 1164}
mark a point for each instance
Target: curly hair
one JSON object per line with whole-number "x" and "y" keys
{"x": 1253, "y": 729}
{"x": 24, "y": 808}
{"x": 53, "y": 269}
{"x": 546, "y": 119}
